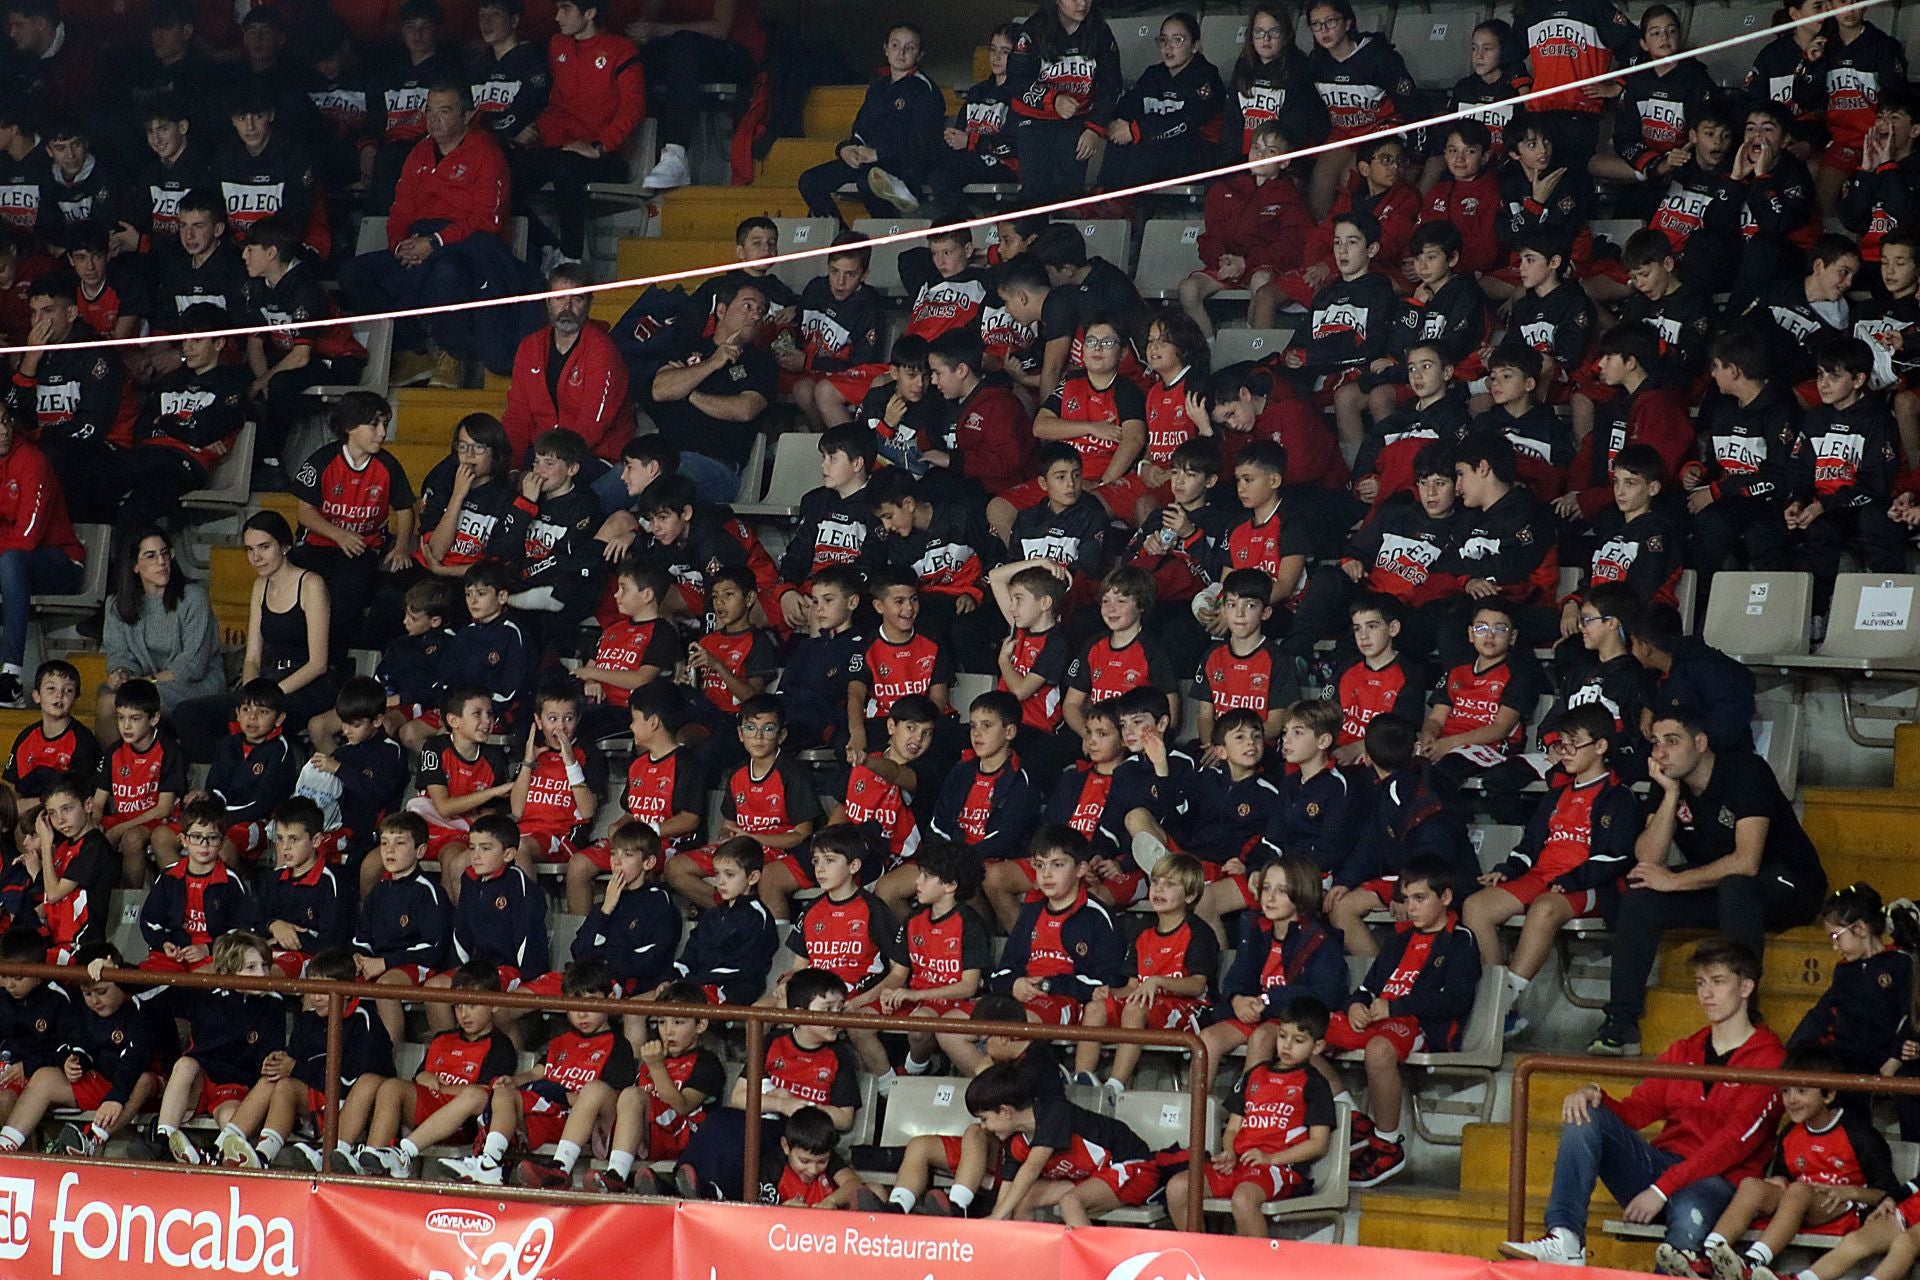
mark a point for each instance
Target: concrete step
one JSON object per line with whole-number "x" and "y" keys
{"x": 1799, "y": 962}
{"x": 428, "y": 415}
{"x": 1473, "y": 1223}
{"x": 712, "y": 213}
{"x": 1484, "y": 1164}
{"x": 1849, "y": 821}
{"x": 787, "y": 160}
{"x": 647, "y": 257}
{"x": 610, "y": 304}
{"x": 831, "y": 109}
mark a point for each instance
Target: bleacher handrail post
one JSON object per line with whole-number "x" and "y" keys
{"x": 754, "y": 1018}
{"x": 1641, "y": 1069}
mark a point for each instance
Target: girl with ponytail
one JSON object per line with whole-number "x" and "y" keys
{"x": 1866, "y": 1016}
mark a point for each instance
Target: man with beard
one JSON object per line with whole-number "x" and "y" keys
{"x": 569, "y": 374}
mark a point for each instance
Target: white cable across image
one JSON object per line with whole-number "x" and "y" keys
{"x": 1061, "y": 206}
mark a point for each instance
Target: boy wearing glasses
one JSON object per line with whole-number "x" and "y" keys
{"x": 1569, "y": 863}
{"x": 1102, "y": 415}
{"x": 1480, "y": 713}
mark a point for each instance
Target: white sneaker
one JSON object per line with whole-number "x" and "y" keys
{"x": 181, "y": 1148}
{"x": 1559, "y": 1247}
{"x": 473, "y": 1169}
{"x": 236, "y": 1151}
{"x": 1148, "y": 850}
{"x": 892, "y": 190}
{"x": 670, "y": 171}
{"x": 1115, "y": 1091}
{"x": 308, "y": 1154}
{"x": 397, "y": 1163}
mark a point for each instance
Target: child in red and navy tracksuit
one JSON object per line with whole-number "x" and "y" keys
{"x": 1320, "y": 808}
{"x": 947, "y": 546}
{"x": 1063, "y": 945}
{"x": 732, "y": 663}
{"x": 989, "y": 803}
{"x": 1480, "y": 712}
{"x": 229, "y": 1036}
{"x": 635, "y": 926}
{"x": 769, "y": 798}
{"x": 1104, "y": 1163}
{"x": 1380, "y": 682}
{"x": 405, "y": 923}
{"x": 1242, "y": 670}
{"x": 76, "y": 869}
{"x": 1281, "y": 1116}
{"x": 1223, "y": 810}
{"x": 848, "y": 932}
{"x": 1149, "y": 785}
{"x": 34, "y": 1017}
{"x": 1169, "y": 972}
{"x": 409, "y": 666}
{"x": 145, "y": 775}
{"x": 558, "y": 790}
{"x": 366, "y": 1066}
{"x": 1127, "y": 657}
{"x": 943, "y": 950}
{"x": 304, "y": 906}
{"x": 635, "y": 651}
{"x": 460, "y": 776}
{"x": 197, "y": 899}
{"x": 836, "y": 520}
{"x": 655, "y": 1118}
{"x": 252, "y": 772}
{"x": 732, "y": 945}
{"x": 1830, "y": 1166}
{"x": 500, "y": 918}
{"x": 55, "y": 745}
{"x": 899, "y": 660}
{"x": 812, "y": 1174}
{"x": 490, "y": 650}
{"x": 1572, "y": 859}
{"x": 1415, "y": 997}
{"x": 370, "y": 768}
{"x": 665, "y": 792}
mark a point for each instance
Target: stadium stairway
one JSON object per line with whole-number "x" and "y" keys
{"x": 1872, "y": 834}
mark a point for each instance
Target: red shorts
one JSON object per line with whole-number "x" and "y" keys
{"x": 439, "y": 837}
{"x": 1327, "y": 384}
{"x": 541, "y": 1120}
{"x": 161, "y": 962}
{"x": 417, "y": 974}
{"x": 1124, "y": 494}
{"x": 316, "y": 1101}
{"x": 1164, "y": 1013}
{"x": 1133, "y": 1181}
{"x": 1531, "y": 885}
{"x": 1383, "y": 888}
{"x": 548, "y": 984}
{"x": 1276, "y": 1181}
{"x": 1841, "y": 159}
{"x": 600, "y": 854}
{"x": 1402, "y": 1033}
{"x": 113, "y": 821}
{"x": 703, "y": 859}
{"x": 431, "y": 718}
{"x": 1126, "y": 887}
{"x": 213, "y": 1095}
{"x": 90, "y": 1090}
{"x": 854, "y": 383}
{"x": 943, "y": 1006}
{"x": 291, "y": 963}
{"x": 1058, "y": 1011}
{"x": 549, "y": 845}
{"x": 426, "y": 1102}
{"x": 1117, "y": 498}
{"x": 15, "y": 1087}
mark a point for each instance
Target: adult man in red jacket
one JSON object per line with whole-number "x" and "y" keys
{"x": 446, "y": 242}
{"x": 38, "y": 551}
{"x": 1711, "y": 1135}
{"x": 569, "y": 374}
{"x": 599, "y": 98}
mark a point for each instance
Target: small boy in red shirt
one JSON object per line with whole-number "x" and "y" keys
{"x": 451, "y": 1089}
{"x": 559, "y": 789}
{"x": 145, "y": 775}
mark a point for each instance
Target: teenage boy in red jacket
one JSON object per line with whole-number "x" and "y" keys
{"x": 38, "y": 551}
{"x": 1710, "y": 1136}
{"x": 599, "y": 98}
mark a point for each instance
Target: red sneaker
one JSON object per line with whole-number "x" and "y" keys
{"x": 1380, "y": 1161}
{"x": 544, "y": 1175}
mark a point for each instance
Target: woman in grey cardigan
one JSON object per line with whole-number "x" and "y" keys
{"x": 160, "y": 627}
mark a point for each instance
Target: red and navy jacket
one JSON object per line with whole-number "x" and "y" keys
{"x": 1430, "y": 977}
{"x": 1075, "y": 538}
{"x": 1075, "y": 950}
{"x": 1861, "y": 1014}
{"x": 502, "y": 920}
{"x": 774, "y": 802}
{"x": 120, "y": 294}
{"x": 135, "y": 1040}
{"x": 368, "y": 1050}
{"x": 1645, "y": 554}
{"x": 409, "y": 667}
{"x": 397, "y": 107}
{"x": 1224, "y": 819}
{"x": 1471, "y": 91}
{"x": 939, "y": 950}
{"x": 1683, "y": 320}
{"x": 891, "y": 670}
{"x": 299, "y": 297}
{"x": 1511, "y": 544}
{"x": 249, "y": 779}
{"x": 198, "y": 414}
{"x": 1559, "y": 323}
{"x": 1564, "y": 214}
{"x": 480, "y": 514}
{"x": 1781, "y": 203}
{"x": 1234, "y": 681}
{"x": 1307, "y": 960}
{"x": 1267, "y": 223}
{"x": 1189, "y": 951}
{"x": 77, "y": 397}
{"x": 940, "y": 303}
{"x": 493, "y": 655}
{"x": 1406, "y": 820}
{"x": 1399, "y": 688}
{"x": 1402, "y": 547}
{"x": 636, "y": 939}
{"x": 707, "y": 547}
{"x": 1078, "y": 400}
{"x": 22, "y": 896}
{"x": 1623, "y": 689}
{"x": 990, "y": 813}
{"x": 1367, "y": 90}
{"x": 219, "y": 280}
{"x": 1278, "y": 90}
{"x": 450, "y": 197}
{"x": 1104, "y": 672}
{"x": 1855, "y": 76}
{"x": 1571, "y": 40}
{"x": 1351, "y": 323}
{"x": 312, "y": 903}
{"x": 1848, "y": 458}
{"x": 730, "y": 949}
{"x": 509, "y": 89}
{"x": 1581, "y": 837}
{"x": 1083, "y": 798}
{"x": 372, "y": 776}
{"x": 1699, "y": 202}
{"x": 33, "y": 1027}
{"x": 1749, "y": 448}
{"x": 1181, "y": 567}
{"x": 189, "y": 910}
{"x": 406, "y": 920}
{"x": 1474, "y": 695}
{"x": 1262, "y": 544}
{"x": 1135, "y": 785}
{"x": 1318, "y": 818}
{"x": 1163, "y": 106}
{"x": 229, "y": 1033}
{"x": 984, "y": 116}
{"x": 599, "y": 92}
{"x": 1650, "y": 115}
{"x": 833, "y": 529}
{"x": 36, "y": 761}
{"x": 1454, "y": 321}
{"x": 854, "y": 938}
{"x": 1846, "y": 1152}
{"x": 1782, "y": 72}
{"x": 1084, "y": 66}
{"x": 1717, "y": 1130}
{"x": 358, "y": 498}
{"x": 1046, "y": 654}
{"x": 549, "y": 542}
{"x": 1798, "y": 329}
{"x": 663, "y": 788}
{"x": 951, "y": 555}
{"x": 835, "y": 335}
{"x": 1875, "y": 204}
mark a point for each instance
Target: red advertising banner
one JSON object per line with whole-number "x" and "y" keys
{"x": 1113, "y": 1253}
{"x": 60, "y": 1219}
{"x": 736, "y": 1242}
{"x": 416, "y": 1235}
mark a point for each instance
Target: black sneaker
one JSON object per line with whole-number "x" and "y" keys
{"x": 11, "y": 693}
{"x": 866, "y": 1200}
{"x": 1616, "y": 1039}
{"x": 936, "y": 1204}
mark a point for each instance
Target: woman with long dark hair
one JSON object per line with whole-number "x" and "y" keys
{"x": 159, "y": 627}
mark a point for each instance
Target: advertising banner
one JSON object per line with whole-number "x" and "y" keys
{"x": 736, "y": 1242}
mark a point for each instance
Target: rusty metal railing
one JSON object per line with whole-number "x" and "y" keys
{"x": 1597, "y": 1069}
{"x": 755, "y": 1019}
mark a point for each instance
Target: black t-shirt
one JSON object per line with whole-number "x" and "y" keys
{"x": 1743, "y": 786}
{"x": 693, "y": 431}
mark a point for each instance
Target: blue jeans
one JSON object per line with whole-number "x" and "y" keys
{"x": 1605, "y": 1150}
{"x": 713, "y": 479}
{"x": 45, "y": 570}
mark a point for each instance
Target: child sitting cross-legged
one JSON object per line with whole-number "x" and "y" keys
{"x": 1280, "y": 1119}
{"x": 1829, "y": 1166}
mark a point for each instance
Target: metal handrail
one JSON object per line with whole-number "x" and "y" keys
{"x": 1634, "y": 1069}
{"x": 756, "y": 1020}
